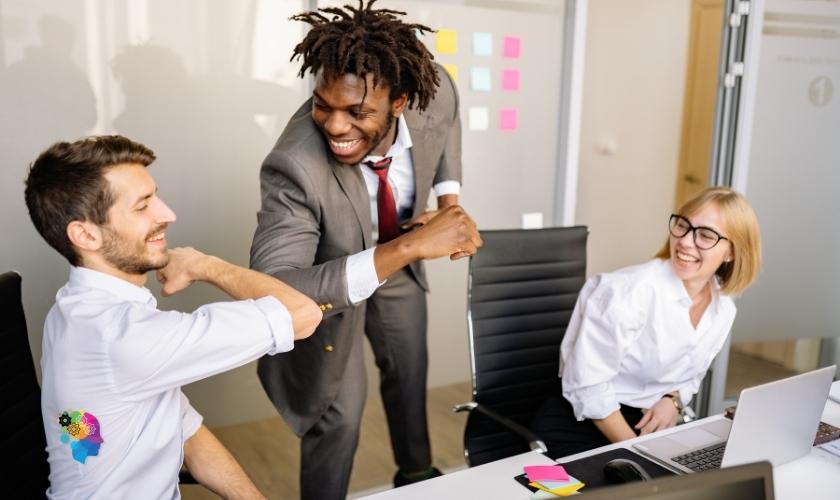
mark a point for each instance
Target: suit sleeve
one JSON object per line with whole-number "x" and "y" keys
{"x": 449, "y": 168}
{"x": 288, "y": 231}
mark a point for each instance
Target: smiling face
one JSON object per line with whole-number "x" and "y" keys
{"x": 355, "y": 124}
{"x": 691, "y": 264}
{"x": 133, "y": 240}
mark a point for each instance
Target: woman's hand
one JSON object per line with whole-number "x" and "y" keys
{"x": 660, "y": 416}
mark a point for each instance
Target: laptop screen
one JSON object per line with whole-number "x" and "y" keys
{"x": 743, "y": 482}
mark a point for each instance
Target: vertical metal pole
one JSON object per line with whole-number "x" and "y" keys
{"x": 571, "y": 97}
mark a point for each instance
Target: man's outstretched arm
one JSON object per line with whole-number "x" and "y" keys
{"x": 212, "y": 465}
{"x": 187, "y": 265}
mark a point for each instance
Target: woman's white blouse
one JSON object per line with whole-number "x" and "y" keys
{"x": 630, "y": 340}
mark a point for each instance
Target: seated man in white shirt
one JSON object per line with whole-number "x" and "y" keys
{"x": 116, "y": 421}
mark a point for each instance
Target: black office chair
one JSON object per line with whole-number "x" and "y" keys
{"x": 24, "y": 445}
{"x": 523, "y": 285}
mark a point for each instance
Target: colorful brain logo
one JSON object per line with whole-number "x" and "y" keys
{"x": 81, "y": 430}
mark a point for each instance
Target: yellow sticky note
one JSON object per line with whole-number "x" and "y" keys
{"x": 452, "y": 69}
{"x": 563, "y": 491}
{"x": 446, "y": 41}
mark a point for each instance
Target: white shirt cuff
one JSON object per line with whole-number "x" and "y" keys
{"x": 190, "y": 419}
{"x": 685, "y": 396}
{"x": 447, "y": 187}
{"x": 361, "y": 276}
{"x": 280, "y": 322}
{"x": 594, "y": 402}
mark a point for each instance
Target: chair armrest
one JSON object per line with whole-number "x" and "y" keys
{"x": 534, "y": 442}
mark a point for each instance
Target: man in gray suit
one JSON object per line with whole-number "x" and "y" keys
{"x": 344, "y": 220}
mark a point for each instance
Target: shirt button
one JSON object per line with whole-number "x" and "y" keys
{"x": 328, "y": 348}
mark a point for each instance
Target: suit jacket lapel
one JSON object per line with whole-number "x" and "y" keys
{"x": 421, "y": 158}
{"x": 353, "y": 184}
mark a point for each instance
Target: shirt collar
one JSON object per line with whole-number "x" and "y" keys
{"x": 400, "y": 145}
{"x": 677, "y": 291}
{"x": 88, "y": 278}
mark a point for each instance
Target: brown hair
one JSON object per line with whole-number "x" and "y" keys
{"x": 742, "y": 231}
{"x": 67, "y": 183}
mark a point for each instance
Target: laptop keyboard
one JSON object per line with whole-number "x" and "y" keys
{"x": 711, "y": 456}
{"x": 702, "y": 459}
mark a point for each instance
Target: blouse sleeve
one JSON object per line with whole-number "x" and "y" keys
{"x": 603, "y": 326}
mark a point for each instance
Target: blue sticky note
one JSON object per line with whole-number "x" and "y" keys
{"x": 480, "y": 79}
{"x": 482, "y": 44}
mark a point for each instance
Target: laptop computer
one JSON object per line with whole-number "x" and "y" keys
{"x": 742, "y": 482}
{"x": 774, "y": 422}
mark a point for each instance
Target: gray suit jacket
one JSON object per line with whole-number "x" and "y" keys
{"x": 315, "y": 213}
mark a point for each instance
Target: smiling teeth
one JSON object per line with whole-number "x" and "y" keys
{"x": 344, "y": 144}
{"x": 685, "y": 258}
{"x": 158, "y": 237}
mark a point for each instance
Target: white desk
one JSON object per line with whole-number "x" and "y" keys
{"x": 815, "y": 477}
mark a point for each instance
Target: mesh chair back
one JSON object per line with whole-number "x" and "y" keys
{"x": 523, "y": 285}
{"x": 23, "y": 436}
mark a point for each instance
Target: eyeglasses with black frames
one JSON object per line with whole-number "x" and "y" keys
{"x": 705, "y": 238}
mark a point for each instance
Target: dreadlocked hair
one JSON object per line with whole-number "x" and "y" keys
{"x": 365, "y": 41}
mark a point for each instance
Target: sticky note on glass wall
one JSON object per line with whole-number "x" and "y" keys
{"x": 511, "y": 47}
{"x": 508, "y": 119}
{"x": 480, "y": 79}
{"x": 446, "y": 41}
{"x": 479, "y": 118}
{"x": 510, "y": 79}
{"x": 452, "y": 69}
{"x": 482, "y": 44}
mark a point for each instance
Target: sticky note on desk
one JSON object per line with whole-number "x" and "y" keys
{"x": 446, "y": 41}
{"x": 546, "y": 473}
{"x": 559, "y": 488}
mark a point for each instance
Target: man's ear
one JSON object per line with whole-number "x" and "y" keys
{"x": 85, "y": 235}
{"x": 398, "y": 105}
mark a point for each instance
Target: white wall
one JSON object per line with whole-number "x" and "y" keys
{"x": 633, "y": 95}
{"x": 207, "y": 84}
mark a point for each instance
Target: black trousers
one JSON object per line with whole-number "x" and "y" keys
{"x": 556, "y": 424}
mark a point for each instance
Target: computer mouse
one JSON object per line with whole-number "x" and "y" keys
{"x": 621, "y": 470}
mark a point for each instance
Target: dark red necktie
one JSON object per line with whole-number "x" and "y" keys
{"x": 386, "y": 206}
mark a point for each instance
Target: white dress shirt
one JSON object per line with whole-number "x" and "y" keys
{"x": 361, "y": 272}
{"x": 630, "y": 340}
{"x": 112, "y": 356}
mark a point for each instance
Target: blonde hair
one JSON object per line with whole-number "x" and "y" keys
{"x": 741, "y": 228}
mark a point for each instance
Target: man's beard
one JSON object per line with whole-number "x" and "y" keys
{"x": 128, "y": 259}
{"x": 380, "y": 136}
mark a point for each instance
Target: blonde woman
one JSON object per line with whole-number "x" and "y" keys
{"x": 641, "y": 338}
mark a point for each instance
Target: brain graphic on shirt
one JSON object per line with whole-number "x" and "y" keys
{"x": 81, "y": 430}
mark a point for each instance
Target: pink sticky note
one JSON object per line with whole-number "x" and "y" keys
{"x": 511, "y": 46}
{"x": 546, "y": 473}
{"x": 510, "y": 79}
{"x": 508, "y": 119}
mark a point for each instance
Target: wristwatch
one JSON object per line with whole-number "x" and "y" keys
{"x": 677, "y": 402}
{"x": 686, "y": 413}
